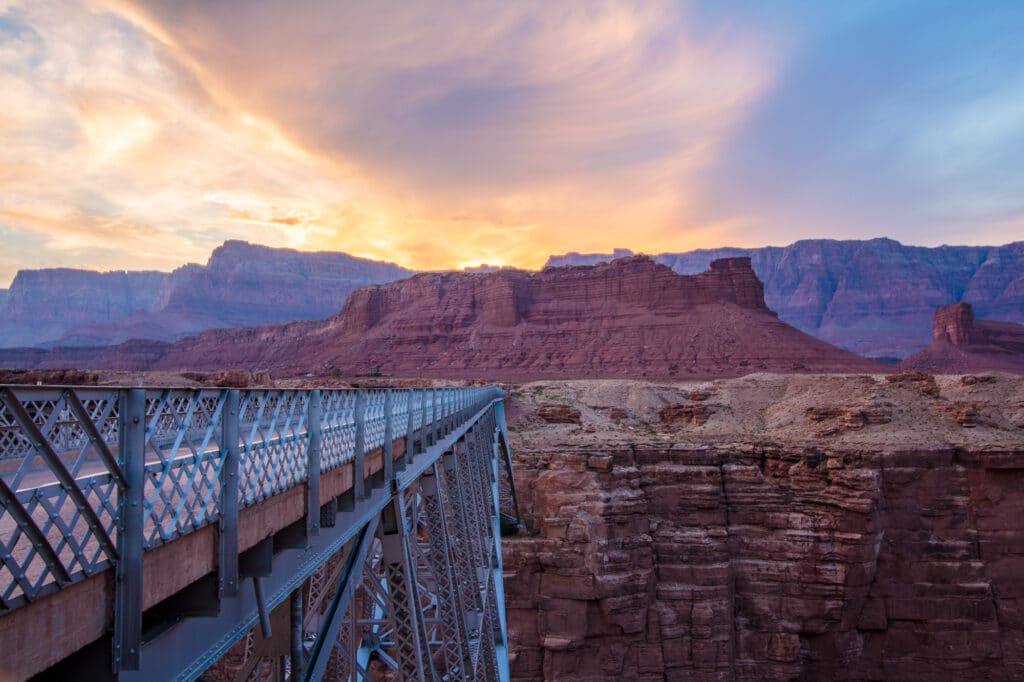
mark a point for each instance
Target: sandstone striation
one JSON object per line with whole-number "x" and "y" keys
{"x": 873, "y": 297}
{"x": 631, "y": 317}
{"x": 750, "y": 548}
{"x": 962, "y": 344}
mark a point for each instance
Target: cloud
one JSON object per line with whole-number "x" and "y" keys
{"x": 443, "y": 134}
{"x": 366, "y": 127}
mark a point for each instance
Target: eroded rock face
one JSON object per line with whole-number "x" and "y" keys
{"x": 871, "y": 555}
{"x": 628, "y": 318}
{"x": 241, "y": 284}
{"x": 875, "y": 297}
{"x": 953, "y": 324}
{"x": 43, "y": 305}
{"x": 962, "y": 344}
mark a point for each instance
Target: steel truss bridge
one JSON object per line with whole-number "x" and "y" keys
{"x": 151, "y": 534}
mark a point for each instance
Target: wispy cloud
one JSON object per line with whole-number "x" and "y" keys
{"x": 434, "y": 134}
{"x": 441, "y": 134}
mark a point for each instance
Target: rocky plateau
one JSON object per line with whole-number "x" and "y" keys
{"x": 629, "y": 318}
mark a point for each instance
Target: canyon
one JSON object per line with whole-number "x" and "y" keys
{"x": 859, "y": 527}
{"x": 242, "y": 284}
{"x": 873, "y": 297}
{"x": 629, "y": 318}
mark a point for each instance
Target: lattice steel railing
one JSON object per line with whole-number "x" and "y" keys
{"x": 66, "y": 457}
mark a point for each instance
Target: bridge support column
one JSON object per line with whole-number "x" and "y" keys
{"x": 297, "y": 634}
{"x": 335, "y": 615}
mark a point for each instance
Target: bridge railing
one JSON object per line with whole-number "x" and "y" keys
{"x": 68, "y": 456}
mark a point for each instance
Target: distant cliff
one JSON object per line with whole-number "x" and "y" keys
{"x": 962, "y": 344}
{"x": 631, "y": 317}
{"x": 242, "y": 284}
{"x": 873, "y": 297}
{"x": 43, "y": 305}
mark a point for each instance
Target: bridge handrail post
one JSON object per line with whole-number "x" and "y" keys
{"x": 127, "y": 641}
{"x": 313, "y": 428}
{"x": 227, "y": 565}
{"x": 358, "y": 469}
{"x": 435, "y": 426}
{"x": 389, "y": 437}
{"x": 410, "y": 431}
{"x": 425, "y": 421}
{"x": 449, "y": 422}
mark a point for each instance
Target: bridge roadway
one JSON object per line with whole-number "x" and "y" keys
{"x": 320, "y": 534}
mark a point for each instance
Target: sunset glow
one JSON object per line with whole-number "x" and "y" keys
{"x": 441, "y": 135}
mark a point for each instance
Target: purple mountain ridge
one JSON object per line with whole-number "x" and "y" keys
{"x": 241, "y": 285}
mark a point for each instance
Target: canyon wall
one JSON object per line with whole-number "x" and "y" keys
{"x": 42, "y": 305}
{"x": 769, "y": 528}
{"x": 241, "y": 284}
{"x": 631, "y": 317}
{"x": 874, "y": 297}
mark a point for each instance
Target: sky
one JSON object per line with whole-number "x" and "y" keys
{"x": 440, "y": 134}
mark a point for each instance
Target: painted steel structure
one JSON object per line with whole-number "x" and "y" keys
{"x": 402, "y": 569}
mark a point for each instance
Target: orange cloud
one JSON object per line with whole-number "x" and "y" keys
{"x": 435, "y": 135}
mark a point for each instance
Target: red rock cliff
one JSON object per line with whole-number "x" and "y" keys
{"x": 758, "y": 546}
{"x": 630, "y": 317}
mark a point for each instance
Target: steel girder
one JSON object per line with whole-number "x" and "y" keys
{"x": 428, "y": 606}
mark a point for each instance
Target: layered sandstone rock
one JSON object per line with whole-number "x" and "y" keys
{"x": 748, "y": 547}
{"x": 873, "y": 297}
{"x": 241, "y": 284}
{"x": 631, "y": 317}
{"x": 962, "y": 344}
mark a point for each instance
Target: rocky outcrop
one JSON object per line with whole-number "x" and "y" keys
{"x": 241, "y": 285}
{"x": 954, "y": 324}
{"x": 631, "y": 317}
{"x": 749, "y": 548}
{"x": 873, "y": 297}
{"x": 962, "y": 344}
